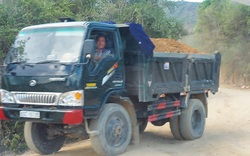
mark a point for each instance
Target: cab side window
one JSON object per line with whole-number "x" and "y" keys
{"x": 105, "y": 40}
{"x": 105, "y": 46}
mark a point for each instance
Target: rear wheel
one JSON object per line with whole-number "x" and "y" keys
{"x": 192, "y": 120}
{"x": 114, "y": 128}
{"x": 175, "y": 127}
{"x": 38, "y": 139}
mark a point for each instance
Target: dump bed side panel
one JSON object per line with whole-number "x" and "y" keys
{"x": 169, "y": 72}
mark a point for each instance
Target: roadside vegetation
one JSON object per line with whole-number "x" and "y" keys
{"x": 224, "y": 26}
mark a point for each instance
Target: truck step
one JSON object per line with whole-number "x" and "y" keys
{"x": 164, "y": 115}
{"x": 163, "y": 105}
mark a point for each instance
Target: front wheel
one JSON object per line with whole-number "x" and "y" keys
{"x": 114, "y": 128}
{"x": 38, "y": 139}
{"x": 192, "y": 120}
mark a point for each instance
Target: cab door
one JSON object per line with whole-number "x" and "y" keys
{"x": 106, "y": 76}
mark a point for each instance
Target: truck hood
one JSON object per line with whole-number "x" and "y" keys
{"x": 38, "y": 70}
{"x": 41, "y": 78}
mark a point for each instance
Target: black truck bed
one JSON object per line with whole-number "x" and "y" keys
{"x": 170, "y": 73}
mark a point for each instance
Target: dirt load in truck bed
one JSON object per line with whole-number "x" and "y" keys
{"x": 170, "y": 45}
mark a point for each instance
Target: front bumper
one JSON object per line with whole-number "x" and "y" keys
{"x": 57, "y": 116}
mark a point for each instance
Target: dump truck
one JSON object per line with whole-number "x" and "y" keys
{"x": 51, "y": 82}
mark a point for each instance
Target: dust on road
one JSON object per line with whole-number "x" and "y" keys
{"x": 227, "y": 132}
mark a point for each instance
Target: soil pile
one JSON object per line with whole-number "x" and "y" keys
{"x": 170, "y": 45}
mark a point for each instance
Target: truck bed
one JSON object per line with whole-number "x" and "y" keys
{"x": 170, "y": 73}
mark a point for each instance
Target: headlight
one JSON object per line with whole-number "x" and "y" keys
{"x": 6, "y": 97}
{"x": 73, "y": 98}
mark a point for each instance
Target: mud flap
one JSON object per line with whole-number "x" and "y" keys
{"x": 135, "y": 140}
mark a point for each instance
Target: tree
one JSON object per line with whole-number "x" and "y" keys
{"x": 224, "y": 26}
{"x": 14, "y": 15}
{"x": 146, "y": 12}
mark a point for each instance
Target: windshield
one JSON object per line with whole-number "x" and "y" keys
{"x": 47, "y": 45}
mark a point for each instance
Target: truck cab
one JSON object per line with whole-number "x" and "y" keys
{"x": 51, "y": 81}
{"x": 47, "y": 66}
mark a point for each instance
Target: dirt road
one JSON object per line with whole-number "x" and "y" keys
{"x": 227, "y": 132}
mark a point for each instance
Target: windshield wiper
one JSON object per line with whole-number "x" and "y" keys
{"x": 47, "y": 61}
{"x": 23, "y": 63}
{"x": 51, "y": 61}
{"x": 17, "y": 62}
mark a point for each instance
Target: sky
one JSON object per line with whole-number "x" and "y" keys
{"x": 246, "y": 2}
{"x": 194, "y": 0}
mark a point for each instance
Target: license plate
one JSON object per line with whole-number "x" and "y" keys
{"x": 30, "y": 114}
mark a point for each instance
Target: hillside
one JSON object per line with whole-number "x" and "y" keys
{"x": 186, "y": 12}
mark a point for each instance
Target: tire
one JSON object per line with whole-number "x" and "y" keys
{"x": 115, "y": 130}
{"x": 175, "y": 127}
{"x": 192, "y": 120}
{"x": 142, "y": 124}
{"x": 36, "y": 138}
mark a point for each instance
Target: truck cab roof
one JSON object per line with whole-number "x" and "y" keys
{"x": 69, "y": 24}
{"x": 133, "y": 29}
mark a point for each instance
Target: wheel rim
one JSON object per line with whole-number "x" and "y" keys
{"x": 196, "y": 121}
{"x": 116, "y": 130}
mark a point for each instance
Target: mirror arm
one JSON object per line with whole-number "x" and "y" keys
{"x": 76, "y": 64}
{"x": 83, "y": 63}
{"x": 88, "y": 56}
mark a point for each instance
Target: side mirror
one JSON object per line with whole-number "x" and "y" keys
{"x": 88, "y": 47}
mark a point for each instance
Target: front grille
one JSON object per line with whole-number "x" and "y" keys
{"x": 36, "y": 98}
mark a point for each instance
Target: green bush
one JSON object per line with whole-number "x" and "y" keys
{"x": 12, "y": 136}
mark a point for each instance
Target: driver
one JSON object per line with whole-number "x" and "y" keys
{"x": 100, "y": 52}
